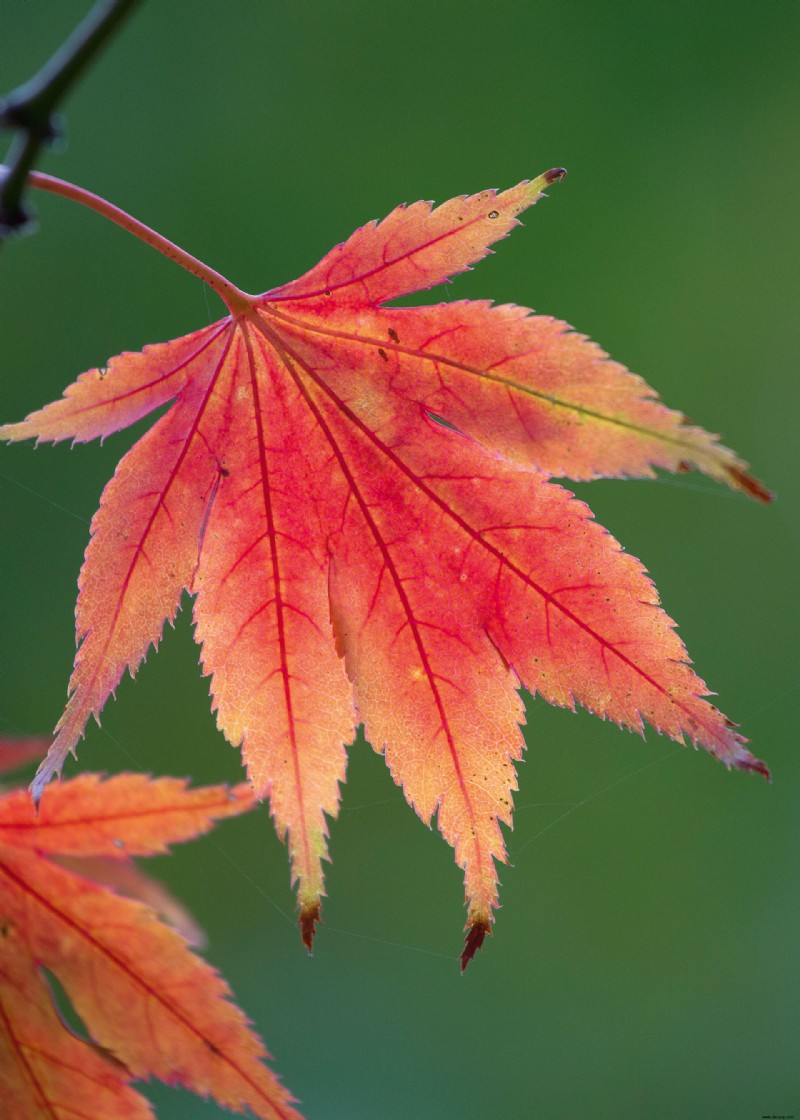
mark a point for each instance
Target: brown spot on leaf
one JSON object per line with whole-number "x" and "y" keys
{"x": 382, "y": 353}
{"x": 393, "y": 335}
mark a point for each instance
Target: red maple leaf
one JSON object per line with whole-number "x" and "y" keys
{"x": 149, "y": 1005}
{"x": 358, "y": 497}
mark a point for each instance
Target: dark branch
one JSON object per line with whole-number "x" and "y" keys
{"x": 30, "y": 109}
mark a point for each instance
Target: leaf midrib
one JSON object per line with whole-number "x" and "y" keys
{"x": 462, "y": 367}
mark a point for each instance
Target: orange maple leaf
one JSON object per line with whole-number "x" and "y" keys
{"x": 150, "y": 1006}
{"x": 358, "y": 497}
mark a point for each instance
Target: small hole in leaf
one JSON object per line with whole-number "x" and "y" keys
{"x": 441, "y": 421}
{"x": 493, "y": 214}
{"x": 62, "y": 1004}
{"x": 71, "y": 1021}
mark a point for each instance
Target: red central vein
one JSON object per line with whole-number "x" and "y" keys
{"x": 137, "y": 979}
{"x": 499, "y": 556}
{"x": 218, "y": 328}
{"x": 160, "y": 504}
{"x": 382, "y": 267}
{"x": 487, "y": 375}
{"x": 40, "y": 825}
{"x": 269, "y": 513}
{"x": 20, "y": 1049}
{"x": 289, "y": 357}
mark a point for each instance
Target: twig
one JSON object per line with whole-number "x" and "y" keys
{"x": 30, "y": 109}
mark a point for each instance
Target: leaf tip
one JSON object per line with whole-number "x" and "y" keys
{"x": 309, "y": 916}
{"x": 37, "y": 787}
{"x": 546, "y": 179}
{"x": 476, "y": 935}
{"x": 50, "y": 767}
{"x": 744, "y": 481}
{"x": 756, "y": 766}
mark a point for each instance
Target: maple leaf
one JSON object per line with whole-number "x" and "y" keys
{"x": 358, "y": 497}
{"x": 150, "y": 1006}
{"x": 16, "y": 752}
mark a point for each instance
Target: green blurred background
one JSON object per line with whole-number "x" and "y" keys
{"x": 645, "y": 959}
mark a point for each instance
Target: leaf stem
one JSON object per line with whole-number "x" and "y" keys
{"x": 30, "y": 109}
{"x": 237, "y": 301}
